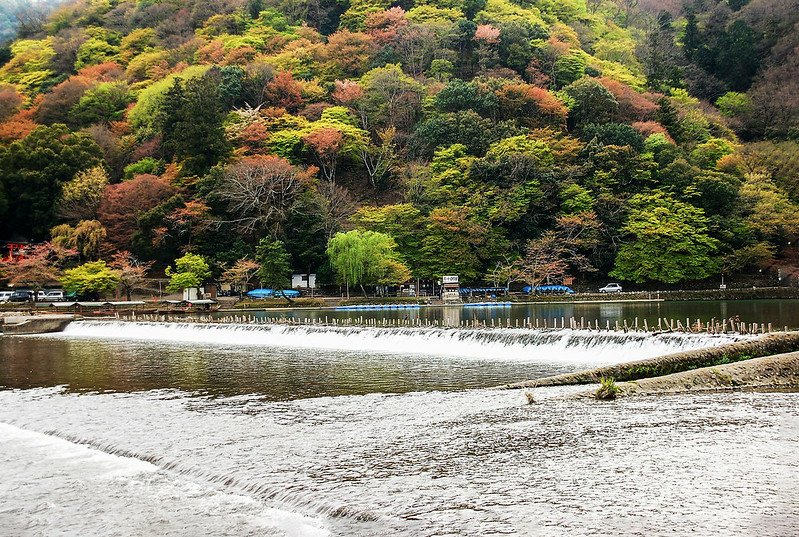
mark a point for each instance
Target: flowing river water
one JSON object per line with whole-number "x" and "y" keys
{"x": 118, "y": 428}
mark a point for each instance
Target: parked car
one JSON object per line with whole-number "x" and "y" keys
{"x": 611, "y": 288}
{"x": 54, "y": 295}
{"x": 5, "y": 295}
{"x": 21, "y": 295}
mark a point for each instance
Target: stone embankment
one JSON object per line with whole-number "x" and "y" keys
{"x": 771, "y": 344}
{"x": 34, "y": 324}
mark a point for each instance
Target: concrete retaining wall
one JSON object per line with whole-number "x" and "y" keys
{"x": 780, "y": 371}
{"x": 673, "y": 363}
{"x": 16, "y": 326}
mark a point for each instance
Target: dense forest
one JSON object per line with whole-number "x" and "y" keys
{"x": 376, "y": 141}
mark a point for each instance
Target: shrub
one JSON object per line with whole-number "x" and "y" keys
{"x": 607, "y": 389}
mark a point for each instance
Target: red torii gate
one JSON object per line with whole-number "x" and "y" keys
{"x": 16, "y": 251}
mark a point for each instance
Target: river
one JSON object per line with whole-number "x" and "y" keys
{"x": 178, "y": 429}
{"x": 780, "y": 313}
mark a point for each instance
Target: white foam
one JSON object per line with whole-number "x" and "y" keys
{"x": 294, "y": 524}
{"x": 503, "y": 344}
{"x": 62, "y": 452}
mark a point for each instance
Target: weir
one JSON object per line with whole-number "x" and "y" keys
{"x": 711, "y": 326}
{"x": 561, "y": 345}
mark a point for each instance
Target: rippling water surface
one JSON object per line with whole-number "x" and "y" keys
{"x": 136, "y": 437}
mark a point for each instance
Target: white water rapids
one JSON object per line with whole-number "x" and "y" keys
{"x": 569, "y": 346}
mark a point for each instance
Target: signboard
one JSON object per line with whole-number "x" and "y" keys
{"x": 450, "y": 279}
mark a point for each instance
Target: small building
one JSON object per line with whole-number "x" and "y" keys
{"x": 303, "y": 281}
{"x": 191, "y": 293}
{"x": 450, "y": 290}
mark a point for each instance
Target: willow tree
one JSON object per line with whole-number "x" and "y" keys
{"x": 366, "y": 258}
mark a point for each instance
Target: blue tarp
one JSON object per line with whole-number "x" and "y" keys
{"x": 467, "y": 290}
{"x": 289, "y": 293}
{"x": 271, "y": 293}
{"x": 261, "y": 293}
{"x": 548, "y": 289}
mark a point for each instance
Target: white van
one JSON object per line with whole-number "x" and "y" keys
{"x": 5, "y": 295}
{"x": 54, "y": 295}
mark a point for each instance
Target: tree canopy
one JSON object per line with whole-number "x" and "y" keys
{"x": 465, "y": 131}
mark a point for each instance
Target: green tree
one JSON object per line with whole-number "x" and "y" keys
{"x": 614, "y": 134}
{"x": 568, "y": 69}
{"x": 451, "y": 244}
{"x": 190, "y": 271}
{"x": 275, "y": 266}
{"x": 192, "y": 117}
{"x": 668, "y": 242}
{"x": 590, "y": 102}
{"x": 366, "y": 258}
{"x": 707, "y": 154}
{"x": 733, "y": 104}
{"x": 93, "y": 279}
{"x": 403, "y": 222}
{"x": 32, "y": 171}
{"x": 105, "y": 102}
{"x": 94, "y": 51}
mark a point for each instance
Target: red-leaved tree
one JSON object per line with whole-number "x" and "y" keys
{"x": 121, "y": 204}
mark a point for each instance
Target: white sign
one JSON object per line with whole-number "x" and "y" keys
{"x": 450, "y": 279}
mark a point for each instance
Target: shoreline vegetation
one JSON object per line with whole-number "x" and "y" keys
{"x": 767, "y": 362}
{"x": 759, "y": 293}
{"x": 230, "y": 304}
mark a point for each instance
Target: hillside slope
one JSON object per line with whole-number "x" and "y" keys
{"x": 495, "y": 139}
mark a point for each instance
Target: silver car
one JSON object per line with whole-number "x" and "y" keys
{"x": 56, "y": 295}
{"x": 611, "y": 288}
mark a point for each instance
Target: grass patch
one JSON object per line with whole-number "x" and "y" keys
{"x": 659, "y": 370}
{"x": 269, "y": 303}
{"x": 607, "y": 389}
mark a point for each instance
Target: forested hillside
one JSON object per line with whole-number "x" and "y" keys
{"x": 501, "y": 140}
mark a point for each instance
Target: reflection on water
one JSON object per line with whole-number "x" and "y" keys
{"x": 277, "y": 374}
{"x": 778, "y": 312}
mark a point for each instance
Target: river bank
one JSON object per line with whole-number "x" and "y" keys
{"x": 775, "y": 372}
{"x": 330, "y": 302}
{"x": 768, "y": 362}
